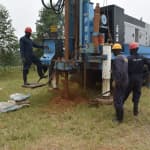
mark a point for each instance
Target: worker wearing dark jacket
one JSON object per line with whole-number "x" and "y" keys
{"x": 27, "y": 55}
{"x": 120, "y": 77}
{"x": 136, "y": 68}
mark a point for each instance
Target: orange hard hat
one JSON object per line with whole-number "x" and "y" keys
{"x": 28, "y": 30}
{"x": 133, "y": 45}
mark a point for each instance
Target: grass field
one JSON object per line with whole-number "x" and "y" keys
{"x": 53, "y": 123}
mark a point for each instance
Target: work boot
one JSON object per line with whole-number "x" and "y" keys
{"x": 119, "y": 116}
{"x": 115, "y": 120}
{"x": 25, "y": 72}
{"x": 44, "y": 68}
{"x": 42, "y": 77}
{"x": 135, "y": 110}
{"x": 26, "y": 83}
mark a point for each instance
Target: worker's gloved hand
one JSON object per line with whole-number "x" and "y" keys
{"x": 46, "y": 47}
{"x": 113, "y": 84}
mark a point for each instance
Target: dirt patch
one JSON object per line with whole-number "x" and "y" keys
{"x": 61, "y": 102}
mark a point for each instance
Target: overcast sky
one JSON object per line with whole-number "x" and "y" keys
{"x": 25, "y": 12}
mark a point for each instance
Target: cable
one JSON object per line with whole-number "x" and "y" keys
{"x": 57, "y": 8}
{"x": 47, "y": 7}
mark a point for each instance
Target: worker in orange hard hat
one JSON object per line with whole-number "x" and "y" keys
{"x": 28, "y": 30}
{"x": 120, "y": 78}
{"x": 135, "y": 70}
{"x": 27, "y": 55}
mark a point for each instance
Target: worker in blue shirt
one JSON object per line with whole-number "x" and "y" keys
{"x": 120, "y": 80}
{"x": 135, "y": 70}
{"x": 27, "y": 55}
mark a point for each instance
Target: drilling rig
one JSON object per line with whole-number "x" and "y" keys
{"x": 88, "y": 35}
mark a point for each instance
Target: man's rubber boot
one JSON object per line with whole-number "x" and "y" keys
{"x": 25, "y": 72}
{"x": 119, "y": 116}
{"x": 42, "y": 77}
{"x": 135, "y": 110}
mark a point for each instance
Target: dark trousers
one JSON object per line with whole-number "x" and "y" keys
{"x": 135, "y": 85}
{"x": 118, "y": 96}
{"x": 27, "y": 64}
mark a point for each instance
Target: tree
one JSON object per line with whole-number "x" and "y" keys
{"x": 8, "y": 40}
{"x": 47, "y": 19}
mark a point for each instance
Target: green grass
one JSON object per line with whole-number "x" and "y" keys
{"x": 48, "y": 126}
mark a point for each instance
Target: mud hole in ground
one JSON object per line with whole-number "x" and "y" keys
{"x": 61, "y": 102}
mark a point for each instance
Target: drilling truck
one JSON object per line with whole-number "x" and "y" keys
{"x": 89, "y": 32}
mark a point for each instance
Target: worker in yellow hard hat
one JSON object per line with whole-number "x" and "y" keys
{"x": 120, "y": 78}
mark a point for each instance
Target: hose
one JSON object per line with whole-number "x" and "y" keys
{"x": 57, "y": 8}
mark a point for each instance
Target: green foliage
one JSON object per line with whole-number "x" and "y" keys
{"x": 8, "y": 40}
{"x": 47, "y": 18}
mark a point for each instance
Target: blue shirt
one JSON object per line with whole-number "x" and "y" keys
{"x": 120, "y": 69}
{"x": 26, "y": 47}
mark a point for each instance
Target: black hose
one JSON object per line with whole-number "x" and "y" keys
{"x": 47, "y": 7}
{"x": 58, "y": 7}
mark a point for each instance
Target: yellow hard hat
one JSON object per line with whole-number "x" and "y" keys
{"x": 116, "y": 46}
